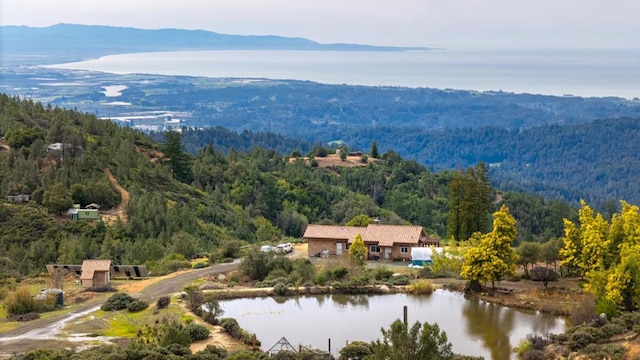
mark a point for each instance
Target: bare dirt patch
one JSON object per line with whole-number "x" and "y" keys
{"x": 3, "y": 145}
{"x": 333, "y": 160}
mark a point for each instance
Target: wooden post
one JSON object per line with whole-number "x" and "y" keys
{"x": 405, "y": 315}
{"x": 329, "y": 344}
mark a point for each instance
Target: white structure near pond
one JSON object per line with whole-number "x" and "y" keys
{"x": 421, "y": 256}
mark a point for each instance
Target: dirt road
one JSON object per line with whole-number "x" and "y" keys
{"x": 43, "y": 333}
{"x": 124, "y": 194}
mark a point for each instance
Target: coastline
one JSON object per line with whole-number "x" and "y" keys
{"x": 555, "y": 73}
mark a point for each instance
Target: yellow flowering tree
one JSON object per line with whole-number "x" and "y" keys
{"x": 606, "y": 254}
{"x": 358, "y": 251}
{"x": 493, "y": 258}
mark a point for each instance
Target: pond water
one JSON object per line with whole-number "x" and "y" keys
{"x": 473, "y": 327}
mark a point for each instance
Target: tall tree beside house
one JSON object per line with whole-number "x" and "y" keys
{"x": 494, "y": 257}
{"x": 470, "y": 203}
{"x": 179, "y": 161}
{"x": 358, "y": 251}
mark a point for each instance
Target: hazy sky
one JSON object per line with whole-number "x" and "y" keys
{"x": 453, "y": 24}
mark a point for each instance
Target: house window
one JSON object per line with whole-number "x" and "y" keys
{"x": 347, "y": 246}
{"x": 404, "y": 249}
{"x": 374, "y": 248}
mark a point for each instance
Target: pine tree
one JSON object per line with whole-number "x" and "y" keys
{"x": 374, "y": 150}
{"x": 179, "y": 161}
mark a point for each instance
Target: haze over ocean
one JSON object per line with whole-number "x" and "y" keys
{"x": 551, "y": 72}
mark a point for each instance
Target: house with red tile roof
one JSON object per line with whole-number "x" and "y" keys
{"x": 386, "y": 242}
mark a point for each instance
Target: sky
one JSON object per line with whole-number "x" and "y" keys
{"x": 451, "y": 24}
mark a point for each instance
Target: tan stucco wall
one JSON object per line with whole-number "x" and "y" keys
{"x": 317, "y": 245}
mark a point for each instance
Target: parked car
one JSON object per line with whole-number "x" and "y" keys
{"x": 285, "y": 248}
{"x": 266, "y": 248}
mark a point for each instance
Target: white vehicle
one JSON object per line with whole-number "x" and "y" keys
{"x": 266, "y": 248}
{"x": 285, "y": 248}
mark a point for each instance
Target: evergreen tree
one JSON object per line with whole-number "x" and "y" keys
{"x": 179, "y": 160}
{"x": 374, "y": 150}
{"x": 469, "y": 203}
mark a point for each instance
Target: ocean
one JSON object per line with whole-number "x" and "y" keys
{"x": 587, "y": 73}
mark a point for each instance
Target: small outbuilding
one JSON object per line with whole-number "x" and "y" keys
{"x": 79, "y": 214}
{"x": 95, "y": 272}
{"x": 421, "y": 256}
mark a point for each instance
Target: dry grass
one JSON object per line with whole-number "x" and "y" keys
{"x": 332, "y": 160}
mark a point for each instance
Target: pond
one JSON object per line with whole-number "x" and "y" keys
{"x": 473, "y": 327}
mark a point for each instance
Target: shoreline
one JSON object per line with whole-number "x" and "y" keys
{"x": 554, "y": 300}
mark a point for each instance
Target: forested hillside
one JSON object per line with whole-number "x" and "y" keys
{"x": 596, "y": 161}
{"x": 225, "y": 199}
{"x": 442, "y": 129}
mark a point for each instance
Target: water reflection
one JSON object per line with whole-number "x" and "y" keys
{"x": 491, "y": 324}
{"x": 347, "y": 301}
{"x": 473, "y": 327}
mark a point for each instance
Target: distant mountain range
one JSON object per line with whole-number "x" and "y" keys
{"x": 22, "y": 45}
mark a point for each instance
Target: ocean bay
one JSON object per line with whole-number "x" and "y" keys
{"x": 587, "y": 73}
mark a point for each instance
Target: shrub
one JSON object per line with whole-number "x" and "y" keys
{"x": 230, "y": 326}
{"x": 610, "y": 330}
{"x": 544, "y": 274}
{"x": 174, "y": 349}
{"x": 340, "y": 273}
{"x": 537, "y": 342}
{"x": 197, "y": 332}
{"x": 117, "y": 301}
{"x": 321, "y": 279}
{"x": 420, "y": 287}
{"x": 400, "y": 280}
{"x": 580, "y": 339}
{"x": 533, "y": 355}
{"x": 355, "y": 350}
{"x": 21, "y": 302}
{"x": 137, "y": 305}
{"x": 281, "y": 289}
{"x": 285, "y": 355}
{"x": 382, "y": 273}
{"x": 168, "y": 264}
{"x": 101, "y": 288}
{"x": 173, "y": 333}
{"x": 608, "y": 351}
{"x": 163, "y": 302}
{"x": 25, "y": 317}
{"x": 608, "y": 307}
{"x": 195, "y": 297}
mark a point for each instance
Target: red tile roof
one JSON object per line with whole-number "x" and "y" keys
{"x": 387, "y": 235}
{"x": 347, "y": 233}
{"x": 383, "y": 235}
